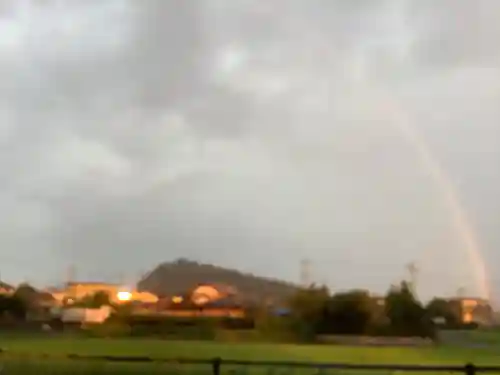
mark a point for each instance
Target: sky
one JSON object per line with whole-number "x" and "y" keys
{"x": 361, "y": 135}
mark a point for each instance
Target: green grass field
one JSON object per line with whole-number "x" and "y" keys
{"x": 23, "y": 355}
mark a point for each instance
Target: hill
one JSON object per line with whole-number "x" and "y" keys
{"x": 183, "y": 275}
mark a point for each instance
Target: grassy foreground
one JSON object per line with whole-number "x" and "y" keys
{"x": 23, "y": 355}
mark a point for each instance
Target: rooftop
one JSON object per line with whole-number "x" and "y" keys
{"x": 220, "y": 287}
{"x": 477, "y": 299}
{"x": 90, "y": 283}
{"x": 5, "y": 285}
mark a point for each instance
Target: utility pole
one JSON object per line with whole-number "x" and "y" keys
{"x": 71, "y": 277}
{"x": 305, "y": 273}
{"x": 413, "y": 272}
{"x": 71, "y": 274}
{"x": 121, "y": 279}
{"x": 461, "y": 292}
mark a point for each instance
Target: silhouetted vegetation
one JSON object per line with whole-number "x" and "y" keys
{"x": 406, "y": 315}
{"x": 314, "y": 311}
{"x": 351, "y": 313}
{"x": 94, "y": 300}
{"x": 443, "y": 312}
{"x": 12, "y": 308}
{"x": 185, "y": 328}
{"x": 35, "y": 301}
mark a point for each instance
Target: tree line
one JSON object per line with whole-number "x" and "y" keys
{"x": 315, "y": 311}
{"x": 19, "y": 305}
{"x": 311, "y": 312}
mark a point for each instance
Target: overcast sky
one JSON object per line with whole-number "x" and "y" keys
{"x": 251, "y": 134}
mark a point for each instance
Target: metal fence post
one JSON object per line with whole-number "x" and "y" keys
{"x": 216, "y": 366}
{"x": 470, "y": 369}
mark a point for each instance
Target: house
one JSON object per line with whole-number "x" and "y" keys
{"x": 473, "y": 310}
{"x": 86, "y": 315}
{"x": 206, "y": 299}
{"x": 205, "y": 293}
{"x": 144, "y": 297}
{"x": 74, "y": 291}
{"x": 45, "y": 299}
{"x": 6, "y": 289}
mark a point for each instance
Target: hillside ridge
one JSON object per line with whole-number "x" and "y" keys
{"x": 182, "y": 275}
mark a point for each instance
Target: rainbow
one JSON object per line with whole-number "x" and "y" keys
{"x": 429, "y": 162}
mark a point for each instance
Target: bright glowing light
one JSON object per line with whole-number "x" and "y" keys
{"x": 124, "y": 296}
{"x": 177, "y": 299}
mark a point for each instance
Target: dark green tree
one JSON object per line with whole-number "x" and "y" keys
{"x": 350, "y": 313}
{"x": 29, "y": 296}
{"x": 94, "y": 301}
{"x": 407, "y": 316}
{"x": 307, "y": 311}
{"x": 100, "y": 298}
{"x": 12, "y": 307}
{"x": 439, "y": 308}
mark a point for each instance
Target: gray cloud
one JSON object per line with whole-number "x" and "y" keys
{"x": 250, "y": 136}
{"x": 455, "y": 32}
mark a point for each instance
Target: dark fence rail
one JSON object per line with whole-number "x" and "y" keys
{"x": 217, "y": 363}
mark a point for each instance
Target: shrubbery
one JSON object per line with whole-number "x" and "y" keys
{"x": 165, "y": 327}
{"x": 12, "y": 308}
{"x": 110, "y": 328}
{"x": 314, "y": 312}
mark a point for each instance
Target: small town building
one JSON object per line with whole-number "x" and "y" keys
{"x": 74, "y": 291}
{"x": 75, "y": 315}
{"x": 473, "y": 310}
{"x": 6, "y": 289}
